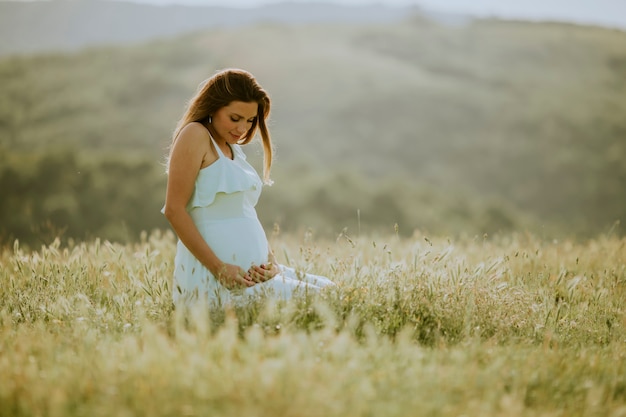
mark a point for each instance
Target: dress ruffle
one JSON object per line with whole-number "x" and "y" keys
{"x": 223, "y": 176}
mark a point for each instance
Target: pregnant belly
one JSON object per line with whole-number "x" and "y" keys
{"x": 239, "y": 241}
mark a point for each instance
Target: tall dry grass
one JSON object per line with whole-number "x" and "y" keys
{"x": 490, "y": 326}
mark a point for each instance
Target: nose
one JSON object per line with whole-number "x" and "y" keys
{"x": 242, "y": 128}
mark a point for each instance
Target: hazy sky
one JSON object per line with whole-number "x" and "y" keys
{"x": 603, "y": 12}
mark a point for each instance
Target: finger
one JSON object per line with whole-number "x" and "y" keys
{"x": 255, "y": 277}
{"x": 244, "y": 282}
{"x": 259, "y": 276}
{"x": 261, "y": 273}
{"x": 263, "y": 276}
{"x": 243, "y": 279}
{"x": 248, "y": 280}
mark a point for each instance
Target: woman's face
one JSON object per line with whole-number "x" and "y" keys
{"x": 231, "y": 123}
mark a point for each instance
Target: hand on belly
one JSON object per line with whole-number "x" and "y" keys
{"x": 264, "y": 272}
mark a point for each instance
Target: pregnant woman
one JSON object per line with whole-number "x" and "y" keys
{"x": 222, "y": 254}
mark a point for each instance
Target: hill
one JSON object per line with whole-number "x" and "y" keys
{"x": 70, "y": 25}
{"x": 477, "y": 128}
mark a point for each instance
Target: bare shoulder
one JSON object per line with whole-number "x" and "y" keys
{"x": 192, "y": 134}
{"x": 193, "y": 146}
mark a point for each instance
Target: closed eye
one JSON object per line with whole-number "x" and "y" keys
{"x": 235, "y": 119}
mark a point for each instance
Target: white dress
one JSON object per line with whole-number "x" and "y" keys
{"x": 222, "y": 207}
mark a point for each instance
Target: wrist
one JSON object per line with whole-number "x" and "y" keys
{"x": 216, "y": 267}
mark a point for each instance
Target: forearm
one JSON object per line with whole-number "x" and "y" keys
{"x": 188, "y": 233}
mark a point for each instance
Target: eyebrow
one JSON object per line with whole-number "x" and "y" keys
{"x": 238, "y": 115}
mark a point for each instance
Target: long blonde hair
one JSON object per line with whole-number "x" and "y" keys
{"x": 219, "y": 91}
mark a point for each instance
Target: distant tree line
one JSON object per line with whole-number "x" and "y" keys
{"x": 56, "y": 194}
{"x": 45, "y": 195}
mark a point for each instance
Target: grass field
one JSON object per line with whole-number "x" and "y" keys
{"x": 422, "y": 326}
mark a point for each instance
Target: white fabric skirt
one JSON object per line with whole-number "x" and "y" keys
{"x": 242, "y": 242}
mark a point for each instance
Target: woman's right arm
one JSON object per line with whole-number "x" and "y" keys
{"x": 186, "y": 159}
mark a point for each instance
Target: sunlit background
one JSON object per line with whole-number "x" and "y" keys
{"x": 610, "y": 13}
{"x": 449, "y": 117}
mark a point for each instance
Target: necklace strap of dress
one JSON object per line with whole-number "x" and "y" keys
{"x": 219, "y": 151}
